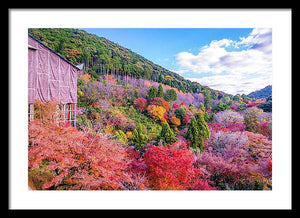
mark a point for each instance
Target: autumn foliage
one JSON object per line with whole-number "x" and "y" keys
{"x": 78, "y": 160}
{"x": 156, "y": 112}
{"x": 237, "y": 160}
{"x": 175, "y": 122}
{"x": 170, "y": 168}
{"x": 46, "y": 111}
{"x": 141, "y": 104}
{"x": 142, "y": 127}
{"x": 86, "y": 78}
{"x": 128, "y": 138}
{"x": 160, "y": 102}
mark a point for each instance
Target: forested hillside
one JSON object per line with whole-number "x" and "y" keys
{"x": 262, "y": 93}
{"x": 102, "y": 56}
{"x": 142, "y": 127}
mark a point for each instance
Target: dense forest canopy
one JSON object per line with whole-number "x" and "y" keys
{"x": 262, "y": 93}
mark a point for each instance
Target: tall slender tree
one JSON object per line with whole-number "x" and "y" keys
{"x": 204, "y": 130}
{"x": 197, "y": 132}
{"x": 201, "y": 107}
{"x": 207, "y": 99}
{"x": 160, "y": 91}
{"x": 193, "y": 134}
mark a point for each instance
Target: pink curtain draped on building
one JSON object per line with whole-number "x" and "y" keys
{"x": 49, "y": 76}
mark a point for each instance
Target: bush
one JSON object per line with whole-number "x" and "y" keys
{"x": 181, "y": 111}
{"x": 242, "y": 106}
{"x": 83, "y": 122}
{"x": 160, "y": 102}
{"x": 251, "y": 119}
{"x": 187, "y": 118}
{"x": 230, "y": 127}
{"x": 121, "y": 136}
{"x": 266, "y": 129}
{"x": 221, "y": 107}
{"x": 141, "y": 104}
{"x": 171, "y": 168}
{"x": 152, "y": 128}
{"x": 175, "y": 122}
{"x": 237, "y": 161}
{"x": 121, "y": 122}
{"x": 226, "y": 117}
{"x": 170, "y": 95}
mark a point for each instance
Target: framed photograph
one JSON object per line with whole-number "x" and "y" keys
{"x": 150, "y": 109}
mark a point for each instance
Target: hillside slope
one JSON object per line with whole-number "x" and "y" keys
{"x": 103, "y": 56}
{"x": 262, "y": 93}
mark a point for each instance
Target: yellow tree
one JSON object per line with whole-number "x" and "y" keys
{"x": 175, "y": 122}
{"x": 156, "y": 112}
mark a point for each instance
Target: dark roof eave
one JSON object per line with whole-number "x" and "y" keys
{"x": 53, "y": 51}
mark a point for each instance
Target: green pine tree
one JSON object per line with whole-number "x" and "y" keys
{"x": 166, "y": 136}
{"x": 160, "y": 91}
{"x": 135, "y": 94}
{"x": 206, "y": 116}
{"x": 197, "y": 132}
{"x": 139, "y": 138}
{"x": 160, "y": 78}
{"x": 201, "y": 107}
{"x": 212, "y": 115}
{"x": 204, "y": 130}
{"x": 193, "y": 133}
{"x": 152, "y": 92}
{"x": 207, "y": 99}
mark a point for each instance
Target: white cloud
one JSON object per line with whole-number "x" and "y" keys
{"x": 219, "y": 43}
{"x": 261, "y": 39}
{"x": 248, "y": 57}
{"x": 235, "y": 84}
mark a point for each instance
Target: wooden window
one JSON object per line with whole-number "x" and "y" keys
{"x": 31, "y": 112}
{"x": 64, "y": 112}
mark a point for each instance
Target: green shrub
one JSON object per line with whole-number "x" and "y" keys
{"x": 139, "y": 138}
{"x": 121, "y": 136}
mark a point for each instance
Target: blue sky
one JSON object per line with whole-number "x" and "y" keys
{"x": 234, "y": 60}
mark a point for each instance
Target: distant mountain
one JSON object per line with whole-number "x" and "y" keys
{"x": 262, "y": 93}
{"x": 102, "y": 56}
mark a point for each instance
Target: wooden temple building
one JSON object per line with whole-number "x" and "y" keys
{"x": 51, "y": 78}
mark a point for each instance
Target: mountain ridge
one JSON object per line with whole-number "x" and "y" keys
{"x": 263, "y": 93}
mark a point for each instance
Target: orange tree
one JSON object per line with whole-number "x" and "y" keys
{"x": 160, "y": 102}
{"x": 156, "y": 112}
